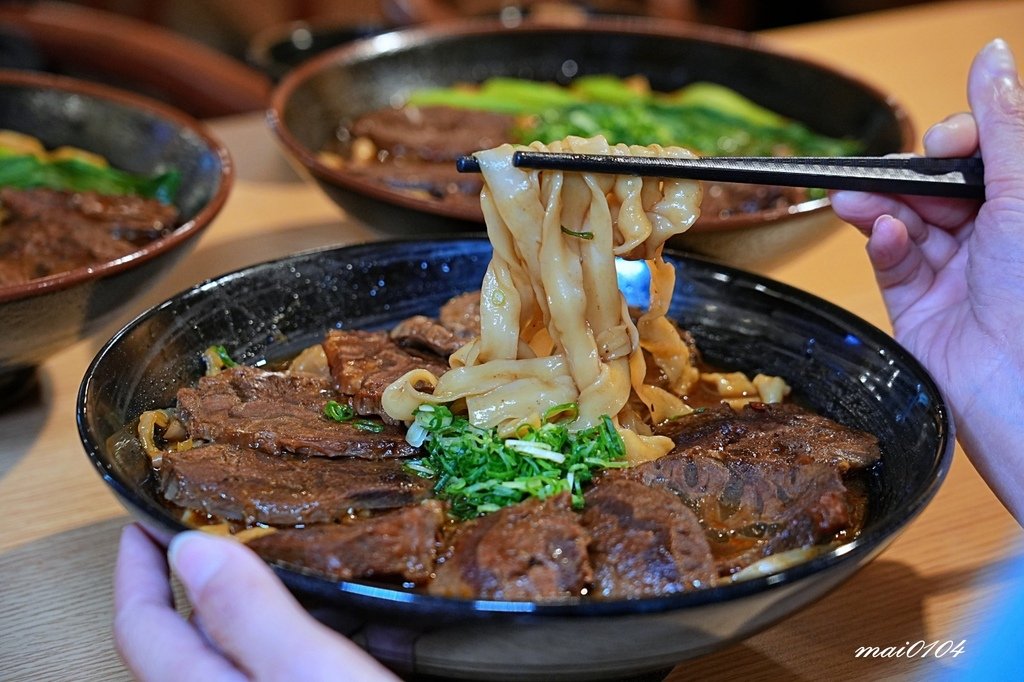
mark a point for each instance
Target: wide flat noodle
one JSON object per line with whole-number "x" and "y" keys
{"x": 554, "y": 326}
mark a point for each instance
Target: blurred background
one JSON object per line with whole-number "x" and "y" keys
{"x": 229, "y": 25}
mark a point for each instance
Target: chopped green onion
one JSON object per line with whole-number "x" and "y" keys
{"x": 339, "y": 412}
{"x": 574, "y": 233}
{"x": 563, "y": 412}
{"x": 478, "y": 472}
{"x": 222, "y": 353}
{"x": 368, "y": 425}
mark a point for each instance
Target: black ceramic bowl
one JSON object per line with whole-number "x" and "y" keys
{"x": 311, "y": 103}
{"x": 44, "y": 315}
{"x": 838, "y": 363}
{"x": 276, "y": 50}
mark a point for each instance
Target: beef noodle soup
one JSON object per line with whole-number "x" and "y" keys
{"x": 67, "y": 208}
{"x": 412, "y": 148}
{"x": 535, "y": 440}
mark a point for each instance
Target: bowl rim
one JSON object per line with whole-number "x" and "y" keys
{"x": 260, "y": 48}
{"x": 411, "y": 38}
{"x": 74, "y": 86}
{"x": 864, "y": 547}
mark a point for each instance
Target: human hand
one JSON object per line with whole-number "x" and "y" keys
{"x": 951, "y": 272}
{"x": 245, "y": 624}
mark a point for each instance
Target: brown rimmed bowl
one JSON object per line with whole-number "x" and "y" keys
{"x": 45, "y": 315}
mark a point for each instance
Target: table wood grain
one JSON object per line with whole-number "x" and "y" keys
{"x": 937, "y": 581}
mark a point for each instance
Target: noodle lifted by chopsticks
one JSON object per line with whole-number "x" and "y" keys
{"x": 554, "y": 327}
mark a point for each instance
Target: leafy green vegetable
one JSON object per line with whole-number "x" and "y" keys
{"x": 344, "y": 413}
{"x": 707, "y": 131}
{"x": 478, "y": 472}
{"x": 74, "y": 175}
{"x": 726, "y": 101}
{"x": 711, "y": 119}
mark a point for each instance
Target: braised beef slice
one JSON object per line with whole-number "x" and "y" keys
{"x": 396, "y": 545}
{"x": 535, "y": 550}
{"x": 758, "y": 488}
{"x": 781, "y": 430}
{"x": 364, "y": 363}
{"x": 644, "y": 542}
{"x": 240, "y": 484}
{"x": 754, "y": 508}
{"x": 279, "y": 412}
{"x": 433, "y": 133}
{"x": 47, "y": 231}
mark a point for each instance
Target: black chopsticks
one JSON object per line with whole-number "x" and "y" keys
{"x": 954, "y": 177}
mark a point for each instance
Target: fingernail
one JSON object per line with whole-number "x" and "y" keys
{"x": 997, "y": 60}
{"x": 196, "y": 557}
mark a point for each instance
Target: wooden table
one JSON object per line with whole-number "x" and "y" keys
{"x": 60, "y": 524}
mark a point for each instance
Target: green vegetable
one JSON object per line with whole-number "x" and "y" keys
{"x": 344, "y": 413}
{"x": 706, "y": 131}
{"x": 710, "y": 119}
{"x": 726, "y": 101}
{"x": 478, "y": 472}
{"x": 74, "y": 175}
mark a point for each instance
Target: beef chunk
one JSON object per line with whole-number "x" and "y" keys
{"x": 461, "y": 315}
{"x": 364, "y": 363}
{"x": 753, "y": 508}
{"x": 426, "y": 334}
{"x": 400, "y": 544}
{"x": 783, "y": 430}
{"x": 458, "y": 324}
{"x": 47, "y": 231}
{"x": 279, "y": 412}
{"x": 240, "y": 484}
{"x": 644, "y": 542}
{"x": 764, "y": 480}
{"x": 535, "y": 550}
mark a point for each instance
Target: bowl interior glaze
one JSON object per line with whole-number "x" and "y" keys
{"x": 837, "y": 363}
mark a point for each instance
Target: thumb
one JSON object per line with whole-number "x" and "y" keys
{"x": 997, "y": 101}
{"x": 247, "y": 613}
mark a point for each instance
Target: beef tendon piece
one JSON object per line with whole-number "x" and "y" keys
{"x": 534, "y": 550}
{"x": 240, "y": 484}
{"x": 364, "y": 363}
{"x": 644, "y": 542}
{"x": 398, "y": 545}
{"x": 280, "y": 412}
{"x": 780, "y": 430}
